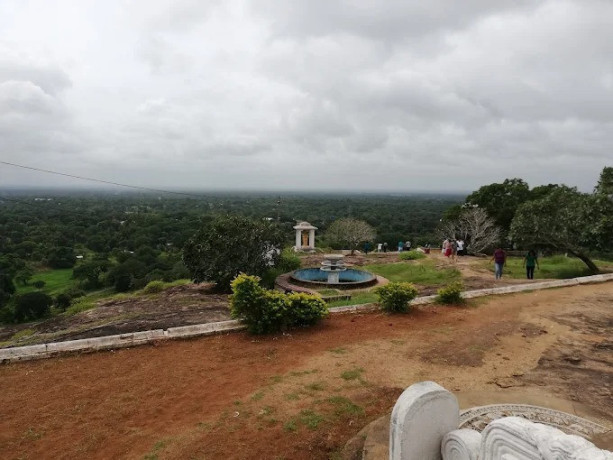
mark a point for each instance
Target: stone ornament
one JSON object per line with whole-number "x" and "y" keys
{"x": 425, "y": 420}
{"x": 423, "y": 414}
{"x": 461, "y": 444}
{"x": 477, "y": 418}
{"x": 515, "y": 438}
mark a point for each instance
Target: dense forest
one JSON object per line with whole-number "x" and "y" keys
{"x": 129, "y": 239}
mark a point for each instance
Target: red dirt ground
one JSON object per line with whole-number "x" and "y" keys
{"x": 302, "y": 395}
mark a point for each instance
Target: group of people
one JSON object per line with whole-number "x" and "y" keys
{"x": 383, "y": 247}
{"x": 452, "y": 248}
{"x": 500, "y": 259}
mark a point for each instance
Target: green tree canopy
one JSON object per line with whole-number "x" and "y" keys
{"x": 501, "y": 200}
{"x": 230, "y": 245}
{"x": 560, "y": 221}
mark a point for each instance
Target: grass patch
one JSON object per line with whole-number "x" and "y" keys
{"x": 22, "y": 334}
{"x": 328, "y": 291}
{"x": 352, "y": 374}
{"x": 56, "y": 281}
{"x": 315, "y": 386}
{"x": 338, "y": 350}
{"x": 344, "y": 406}
{"x": 553, "y": 267}
{"x": 153, "y": 455}
{"x": 257, "y": 396}
{"x": 290, "y": 426}
{"x": 292, "y": 396}
{"x": 310, "y": 419}
{"x": 424, "y": 273}
{"x": 357, "y": 298}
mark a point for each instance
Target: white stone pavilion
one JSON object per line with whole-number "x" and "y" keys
{"x": 305, "y": 236}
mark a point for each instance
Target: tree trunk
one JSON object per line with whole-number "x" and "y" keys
{"x": 587, "y": 261}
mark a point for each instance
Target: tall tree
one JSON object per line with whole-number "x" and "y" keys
{"x": 559, "y": 221}
{"x": 501, "y": 200}
{"x": 231, "y": 245}
{"x": 350, "y": 233}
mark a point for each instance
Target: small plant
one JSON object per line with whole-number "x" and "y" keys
{"x": 353, "y": 374}
{"x": 412, "y": 255}
{"x": 265, "y": 311}
{"x": 395, "y": 297}
{"x": 451, "y": 294}
{"x": 154, "y": 287}
{"x": 62, "y": 301}
{"x": 310, "y": 419}
{"x": 344, "y": 406}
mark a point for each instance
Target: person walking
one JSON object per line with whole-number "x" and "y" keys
{"x": 499, "y": 258}
{"x": 531, "y": 261}
{"x": 460, "y": 247}
{"x": 454, "y": 250}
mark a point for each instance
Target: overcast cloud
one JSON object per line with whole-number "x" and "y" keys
{"x": 316, "y": 94}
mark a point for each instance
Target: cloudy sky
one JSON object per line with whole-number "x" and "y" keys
{"x": 369, "y": 95}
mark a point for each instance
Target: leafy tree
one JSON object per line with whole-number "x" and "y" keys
{"x": 558, "y": 221}
{"x": 61, "y": 257}
{"x": 350, "y": 233}
{"x": 7, "y": 288}
{"x": 230, "y": 245}
{"x": 605, "y": 183}
{"x": 501, "y": 200}
{"x": 23, "y": 275}
{"x": 32, "y": 305}
{"x": 90, "y": 272}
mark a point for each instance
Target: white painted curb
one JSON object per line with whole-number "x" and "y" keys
{"x": 47, "y": 350}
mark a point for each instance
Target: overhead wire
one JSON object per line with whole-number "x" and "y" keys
{"x": 74, "y": 176}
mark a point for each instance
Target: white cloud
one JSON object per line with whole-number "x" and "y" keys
{"x": 346, "y": 94}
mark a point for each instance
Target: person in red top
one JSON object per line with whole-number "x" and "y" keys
{"x": 499, "y": 258}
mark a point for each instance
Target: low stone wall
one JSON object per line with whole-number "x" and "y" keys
{"x": 138, "y": 338}
{"x": 109, "y": 342}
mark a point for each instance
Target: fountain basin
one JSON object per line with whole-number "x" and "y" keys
{"x": 347, "y": 278}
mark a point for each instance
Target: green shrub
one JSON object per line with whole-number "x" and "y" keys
{"x": 395, "y": 297}
{"x": 39, "y": 284}
{"x": 32, "y": 305}
{"x": 288, "y": 261}
{"x": 451, "y": 294}
{"x": 306, "y": 309}
{"x": 265, "y": 311}
{"x": 62, "y": 301}
{"x": 412, "y": 255}
{"x": 154, "y": 287}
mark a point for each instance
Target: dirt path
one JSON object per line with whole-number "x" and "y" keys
{"x": 302, "y": 395}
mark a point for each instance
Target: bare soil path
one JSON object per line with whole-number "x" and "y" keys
{"x": 303, "y": 395}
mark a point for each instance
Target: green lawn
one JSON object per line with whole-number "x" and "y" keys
{"x": 56, "y": 281}
{"x": 556, "y": 267}
{"x": 357, "y": 298}
{"x": 424, "y": 273}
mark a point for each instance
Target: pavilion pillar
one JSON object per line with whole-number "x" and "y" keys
{"x": 312, "y": 238}
{"x": 298, "y": 239}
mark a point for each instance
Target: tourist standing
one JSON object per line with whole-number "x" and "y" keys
{"x": 379, "y": 247}
{"x": 400, "y": 246}
{"x": 454, "y": 249}
{"x": 460, "y": 247}
{"x": 444, "y": 246}
{"x": 366, "y": 247}
{"x": 530, "y": 261}
{"x": 447, "y": 248}
{"x": 499, "y": 258}
{"x": 385, "y": 246}
{"x": 407, "y": 246}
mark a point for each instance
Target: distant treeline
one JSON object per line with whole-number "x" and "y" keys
{"x": 145, "y": 233}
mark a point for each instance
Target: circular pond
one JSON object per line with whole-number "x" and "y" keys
{"x": 349, "y": 277}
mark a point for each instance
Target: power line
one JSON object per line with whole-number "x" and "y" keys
{"x": 138, "y": 187}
